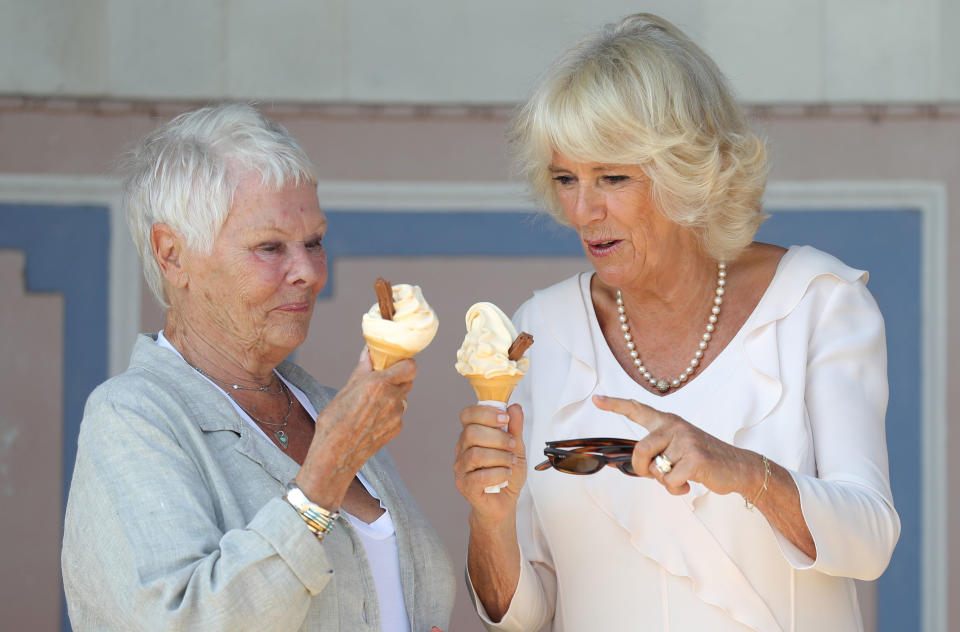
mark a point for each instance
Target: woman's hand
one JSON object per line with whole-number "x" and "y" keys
{"x": 694, "y": 454}
{"x": 722, "y": 468}
{"x": 486, "y": 455}
{"x": 363, "y": 417}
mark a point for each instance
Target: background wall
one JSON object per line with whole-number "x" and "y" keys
{"x": 417, "y": 95}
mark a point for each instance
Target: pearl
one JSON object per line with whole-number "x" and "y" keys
{"x": 661, "y": 384}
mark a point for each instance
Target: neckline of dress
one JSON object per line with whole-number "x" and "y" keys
{"x": 586, "y": 279}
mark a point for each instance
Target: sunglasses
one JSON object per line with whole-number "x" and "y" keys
{"x": 589, "y": 456}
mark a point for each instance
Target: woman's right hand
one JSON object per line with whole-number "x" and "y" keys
{"x": 362, "y": 418}
{"x": 486, "y": 455}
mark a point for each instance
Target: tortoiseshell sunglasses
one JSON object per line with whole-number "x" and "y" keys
{"x": 589, "y": 455}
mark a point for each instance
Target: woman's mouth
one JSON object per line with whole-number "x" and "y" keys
{"x": 602, "y": 247}
{"x": 298, "y": 307}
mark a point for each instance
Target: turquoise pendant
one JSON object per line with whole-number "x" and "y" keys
{"x": 282, "y": 438}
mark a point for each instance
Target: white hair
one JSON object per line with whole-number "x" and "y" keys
{"x": 185, "y": 175}
{"x": 640, "y": 92}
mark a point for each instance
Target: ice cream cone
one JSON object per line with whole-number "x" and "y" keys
{"x": 497, "y": 388}
{"x": 384, "y": 354}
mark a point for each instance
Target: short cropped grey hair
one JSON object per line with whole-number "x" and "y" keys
{"x": 640, "y": 92}
{"x": 186, "y": 172}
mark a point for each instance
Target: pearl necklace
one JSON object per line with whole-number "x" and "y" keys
{"x": 662, "y": 384}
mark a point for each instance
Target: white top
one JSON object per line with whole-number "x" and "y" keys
{"x": 803, "y": 382}
{"x": 378, "y": 537}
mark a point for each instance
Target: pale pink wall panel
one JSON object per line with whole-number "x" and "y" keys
{"x": 31, "y": 494}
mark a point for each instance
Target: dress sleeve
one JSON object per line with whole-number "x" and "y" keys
{"x": 533, "y": 602}
{"x": 847, "y": 505}
{"x": 142, "y": 546}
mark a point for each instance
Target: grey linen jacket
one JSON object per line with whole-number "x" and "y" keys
{"x": 175, "y": 519}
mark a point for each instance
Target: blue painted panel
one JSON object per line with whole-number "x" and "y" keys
{"x": 68, "y": 251}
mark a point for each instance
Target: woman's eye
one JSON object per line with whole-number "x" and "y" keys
{"x": 315, "y": 244}
{"x": 615, "y": 179}
{"x": 563, "y": 180}
{"x": 269, "y": 247}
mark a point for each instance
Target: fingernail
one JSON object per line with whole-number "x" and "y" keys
{"x": 513, "y": 458}
{"x": 513, "y": 442}
{"x": 503, "y": 417}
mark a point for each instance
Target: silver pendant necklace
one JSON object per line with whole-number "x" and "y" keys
{"x": 661, "y": 384}
{"x": 237, "y": 387}
{"x": 279, "y": 433}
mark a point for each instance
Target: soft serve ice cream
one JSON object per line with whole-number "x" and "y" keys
{"x": 408, "y": 331}
{"x": 485, "y": 348}
{"x": 491, "y": 357}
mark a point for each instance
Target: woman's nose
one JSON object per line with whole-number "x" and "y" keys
{"x": 588, "y": 205}
{"x": 306, "y": 267}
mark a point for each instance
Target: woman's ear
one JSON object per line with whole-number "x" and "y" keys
{"x": 168, "y": 250}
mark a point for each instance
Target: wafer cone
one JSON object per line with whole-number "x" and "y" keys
{"x": 496, "y": 389}
{"x": 384, "y": 354}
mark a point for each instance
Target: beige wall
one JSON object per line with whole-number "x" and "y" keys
{"x": 31, "y": 481}
{"x": 461, "y": 144}
{"x": 436, "y": 51}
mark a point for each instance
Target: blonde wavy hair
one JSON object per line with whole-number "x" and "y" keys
{"x": 640, "y": 92}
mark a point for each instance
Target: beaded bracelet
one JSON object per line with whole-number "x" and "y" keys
{"x": 320, "y": 521}
{"x": 766, "y": 475}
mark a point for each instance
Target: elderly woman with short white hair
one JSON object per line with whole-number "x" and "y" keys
{"x": 218, "y": 486}
{"x": 737, "y": 390}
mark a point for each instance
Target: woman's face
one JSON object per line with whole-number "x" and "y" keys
{"x": 257, "y": 288}
{"x": 623, "y": 233}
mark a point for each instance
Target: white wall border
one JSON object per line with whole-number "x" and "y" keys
{"x": 124, "y": 272}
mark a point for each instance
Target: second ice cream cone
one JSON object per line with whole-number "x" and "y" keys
{"x": 496, "y": 389}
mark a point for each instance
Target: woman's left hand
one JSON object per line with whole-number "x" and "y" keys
{"x": 694, "y": 455}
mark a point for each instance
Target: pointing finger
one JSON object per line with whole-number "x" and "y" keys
{"x": 639, "y": 413}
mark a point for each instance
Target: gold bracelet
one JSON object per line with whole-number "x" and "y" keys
{"x": 766, "y": 476}
{"x": 320, "y": 521}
